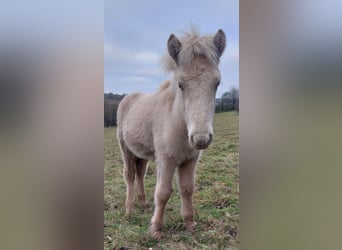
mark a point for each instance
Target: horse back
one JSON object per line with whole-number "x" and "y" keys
{"x": 125, "y": 105}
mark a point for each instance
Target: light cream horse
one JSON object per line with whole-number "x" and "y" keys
{"x": 173, "y": 125}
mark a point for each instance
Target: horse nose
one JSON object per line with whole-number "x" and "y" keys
{"x": 201, "y": 141}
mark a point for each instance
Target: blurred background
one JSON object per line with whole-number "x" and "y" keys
{"x": 51, "y": 124}
{"x": 290, "y": 101}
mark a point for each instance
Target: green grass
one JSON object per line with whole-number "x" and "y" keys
{"x": 216, "y": 198}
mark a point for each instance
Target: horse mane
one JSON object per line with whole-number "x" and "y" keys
{"x": 193, "y": 45}
{"x": 164, "y": 86}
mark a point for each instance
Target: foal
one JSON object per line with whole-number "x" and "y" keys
{"x": 173, "y": 125}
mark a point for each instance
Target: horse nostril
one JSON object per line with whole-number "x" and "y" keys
{"x": 201, "y": 141}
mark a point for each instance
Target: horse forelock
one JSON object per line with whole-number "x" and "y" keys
{"x": 193, "y": 45}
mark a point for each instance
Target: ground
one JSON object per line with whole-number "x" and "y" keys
{"x": 216, "y": 198}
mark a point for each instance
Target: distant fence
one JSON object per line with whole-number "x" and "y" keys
{"x": 226, "y": 104}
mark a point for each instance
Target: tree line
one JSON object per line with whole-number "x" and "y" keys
{"x": 229, "y": 101}
{"x": 111, "y": 103}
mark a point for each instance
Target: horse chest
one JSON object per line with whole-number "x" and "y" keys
{"x": 175, "y": 146}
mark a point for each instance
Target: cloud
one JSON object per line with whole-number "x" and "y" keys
{"x": 135, "y": 40}
{"x": 129, "y": 68}
{"x": 232, "y": 52}
{"x": 119, "y": 55}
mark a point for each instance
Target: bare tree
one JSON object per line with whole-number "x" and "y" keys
{"x": 234, "y": 94}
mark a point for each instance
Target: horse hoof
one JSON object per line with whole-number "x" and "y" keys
{"x": 141, "y": 199}
{"x": 157, "y": 235}
{"x": 156, "y": 232}
{"x": 190, "y": 227}
{"x": 128, "y": 213}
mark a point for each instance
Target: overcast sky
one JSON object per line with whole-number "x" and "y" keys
{"x": 136, "y": 33}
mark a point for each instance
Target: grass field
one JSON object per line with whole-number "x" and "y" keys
{"x": 215, "y": 198}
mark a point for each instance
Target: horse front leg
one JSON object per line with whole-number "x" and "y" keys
{"x": 186, "y": 181}
{"x": 165, "y": 171}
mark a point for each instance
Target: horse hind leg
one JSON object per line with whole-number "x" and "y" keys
{"x": 141, "y": 166}
{"x": 129, "y": 173}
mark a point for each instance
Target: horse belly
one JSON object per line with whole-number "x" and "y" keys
{"x": 139, "y": 147}
{"x": 141, "y": 151}
{"x": 137, "y": 130}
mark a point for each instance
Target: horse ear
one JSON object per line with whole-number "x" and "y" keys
{"x": 174, "y": 47}
{"x": 220, "y": 42}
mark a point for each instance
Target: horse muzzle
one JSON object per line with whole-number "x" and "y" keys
{"x": 201, "y": 141}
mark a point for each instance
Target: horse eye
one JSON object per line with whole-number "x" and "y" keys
{"x": 181, "y": 86}
{"x": 217, "y": 84}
